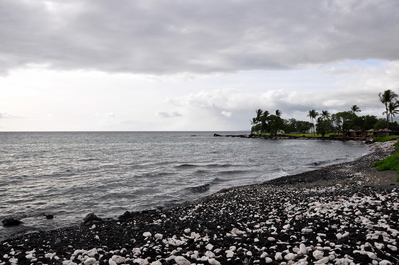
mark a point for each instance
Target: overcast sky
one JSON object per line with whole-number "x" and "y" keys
{"x": 169, "y": 65}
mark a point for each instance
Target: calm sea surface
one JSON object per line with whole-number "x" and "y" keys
{"x": 72, "y": 174}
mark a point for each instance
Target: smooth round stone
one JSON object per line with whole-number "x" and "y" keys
{"x": 182, "y": 261}
{"x": 289, "y": 256}
{"x": 158, "y": 236}
{"x": 90, "y": 261}
{"x": 147, "y": 234}
{"x": 317, "y": 254}
{"x": 229, "y": 253}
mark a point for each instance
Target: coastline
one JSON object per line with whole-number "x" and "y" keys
{"x": 340, "y": 214}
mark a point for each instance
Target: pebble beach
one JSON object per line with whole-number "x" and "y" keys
{"x": 341, "y": 214}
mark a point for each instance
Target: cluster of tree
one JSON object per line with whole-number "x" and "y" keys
{"x": 265, "y": 122}
{"x": 324, "y": 122}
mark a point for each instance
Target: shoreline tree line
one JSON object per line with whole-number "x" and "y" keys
{"x": 324, "y": 123}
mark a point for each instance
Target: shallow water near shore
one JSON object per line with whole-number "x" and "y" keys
{"x": 73, "y": 173}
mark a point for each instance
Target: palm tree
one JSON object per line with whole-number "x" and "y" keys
{"x": 278, "y": 113}
{"x": 355, "y": 109}
{"x": 263, "y": 120}
{"x": 393, "y": 109}
{"x": 259, "y": 114}
{"x": 385, "y": 98}
{"x": 325, "y": 114}
{"x": 313, "y": 115}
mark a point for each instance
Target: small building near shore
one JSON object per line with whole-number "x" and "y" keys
{"x": 383, "y": 132}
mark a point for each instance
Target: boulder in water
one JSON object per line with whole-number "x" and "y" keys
{"x": 49, "y": 216}
{"x": 91, "y": 218}
{"x": 11, "y": 222}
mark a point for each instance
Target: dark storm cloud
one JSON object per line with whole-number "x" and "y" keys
{"x": 161, "y": 37}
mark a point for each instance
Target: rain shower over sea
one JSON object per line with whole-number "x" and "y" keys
{"x": 70, "y": 174}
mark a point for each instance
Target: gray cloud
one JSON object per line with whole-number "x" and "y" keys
{"x": 194, "y": 36}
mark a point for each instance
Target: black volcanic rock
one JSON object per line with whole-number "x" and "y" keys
{"x": 91, "y": 218}
{"x": 11, "y": 222}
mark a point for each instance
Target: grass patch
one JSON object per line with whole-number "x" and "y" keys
{"x": 386, "y": 138}
{"x": 309, "y": 135}
{"x": 389, "y": 163}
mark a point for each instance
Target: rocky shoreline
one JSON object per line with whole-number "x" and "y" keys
{"x": 341, "y": 214}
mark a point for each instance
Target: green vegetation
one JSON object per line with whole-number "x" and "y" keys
{"x": 386, "y": 138}
{"x": 389, "y": 163}
{"x": 345, "y": 123}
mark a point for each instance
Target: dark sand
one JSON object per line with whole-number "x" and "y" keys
{"x": 341, "y": 214}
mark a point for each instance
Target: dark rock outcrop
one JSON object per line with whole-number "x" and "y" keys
{"x": 11, "y": 222}
{"x": 91, "y": 218}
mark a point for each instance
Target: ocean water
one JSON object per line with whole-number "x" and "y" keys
{"x": 70, "y": 174}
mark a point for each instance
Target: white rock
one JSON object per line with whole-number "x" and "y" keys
{"x": 296, "y": 249}
{"x": 187, "y": 230}
{"x": 317, "y": 254}
{"x": 144, "y": 262}
{"x": 138, "y": 260}
{"x": 13, "y": 261}
{"x": 392, "y": 247}
{"x": 118, "y": 259}
{"x": 158, "y": 236}
{"x": 378, "y": 245}
{"x": 302, "y": 249}
{"x": 92, "y": 252}
{"x": 371, "y": 255}
{"x": 50, "y": 255}
{"x": 278, "y": 256}
{"x": 249, "y": 253}
{"x": 306, "y": 230}
{"x": 90, "y": 261}
{"x": 147, "y": 234}
{"x": 195, "y": 235}
{"x": 289, "y": 256}
{"x": 324, "y": 260}
{"x": 271, "y": 239}
{"x": 268, "y": 260}
{"x": 136, "y": 251}
{"x": 213, "y": 262}
{"x": 182, "y": 261}
{"x": 111, "y": 262}
{"x": 229, "y": 253}
{"x": 302, "y": 262}
{"x": 385, "y": 262}
{"x": 209, "y": 246}
{"x": 209, "y": 254}
{"x": 156, "y": 263}
{"x": 78, "y": 251}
